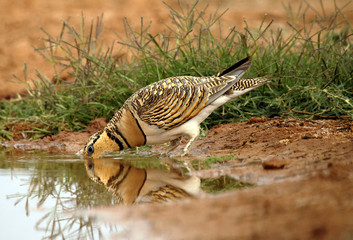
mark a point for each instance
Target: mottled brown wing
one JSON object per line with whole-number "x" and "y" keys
{"x": 170, "y": 103}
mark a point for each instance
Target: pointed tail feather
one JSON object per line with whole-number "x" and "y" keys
{"x": 235, "y": 71}
{"x": 242, "y": 65}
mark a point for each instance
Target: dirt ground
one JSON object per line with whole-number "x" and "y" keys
{"x": 22, "y": 20}
{"x": 303, "y": 169}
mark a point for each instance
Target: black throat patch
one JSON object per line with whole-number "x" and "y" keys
{"x": 115, "y": 139}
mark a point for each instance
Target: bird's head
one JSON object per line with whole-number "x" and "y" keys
{"x": 101, "y": 142}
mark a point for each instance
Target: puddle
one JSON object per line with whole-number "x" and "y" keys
{"x": 41, "y": 192}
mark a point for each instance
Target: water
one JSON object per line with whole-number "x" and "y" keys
{"x": 40, "y": 192}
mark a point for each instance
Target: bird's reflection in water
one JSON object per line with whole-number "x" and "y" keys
{"x": 131, "y": 185}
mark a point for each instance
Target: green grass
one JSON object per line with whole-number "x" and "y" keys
{"x": 222, "y": 184}
{"x": 311, "y": 68}
{"x": 208, "y": 162}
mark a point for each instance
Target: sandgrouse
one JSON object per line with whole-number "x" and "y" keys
{"x": 169, "y": 109}
{"x": 131, "y": 185}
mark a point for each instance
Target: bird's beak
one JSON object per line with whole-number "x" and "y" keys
{"x": 80, "y": 153}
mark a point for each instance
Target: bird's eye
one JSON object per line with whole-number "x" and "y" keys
{"x": 90, "y": 149}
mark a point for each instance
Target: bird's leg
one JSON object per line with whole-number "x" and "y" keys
{"x": 189, "y": 144}
{"x": 187, "y": 164}
{"x": 176, "y": 142}
{"x": 193, "y": 136}
{"x": 173, "y": 145}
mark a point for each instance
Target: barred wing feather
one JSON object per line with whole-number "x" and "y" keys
{"x": 170, "y": 107}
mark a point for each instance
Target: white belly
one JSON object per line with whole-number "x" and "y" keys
{"x": 191, "y": 128}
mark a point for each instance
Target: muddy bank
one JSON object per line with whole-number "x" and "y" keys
{"x": 262, "y": 150}
{"x": 276, "y": 142}
{"x": 64, "y": 142}
{"x": 259, "y": 143}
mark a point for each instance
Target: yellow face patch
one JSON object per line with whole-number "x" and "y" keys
{"x": 98, "y": 144}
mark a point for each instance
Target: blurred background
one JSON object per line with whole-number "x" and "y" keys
{"x": 22, "y": 21}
